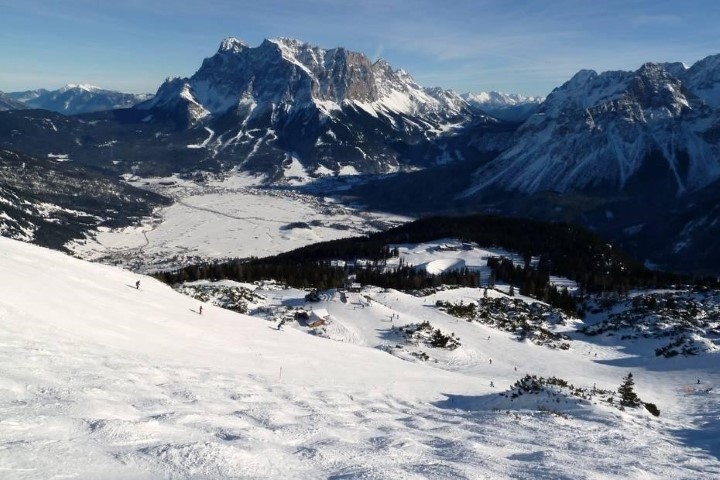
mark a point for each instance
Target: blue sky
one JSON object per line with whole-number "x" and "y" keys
{"x": 527, "y": 46}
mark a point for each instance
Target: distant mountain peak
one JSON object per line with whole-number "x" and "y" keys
{"x": 291, "y": 72}
{"x": 314, "y": 101}
{"x": 511, "y": 107}
{"x": 496, "y": 98}
{"x": 80, "y": 86}
{"x": 676, "y": 69}
{"x": 232, "y": 45}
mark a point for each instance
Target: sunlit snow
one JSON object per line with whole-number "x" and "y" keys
{"x": 104, "y": 380}
{"x": 229, "y": 217}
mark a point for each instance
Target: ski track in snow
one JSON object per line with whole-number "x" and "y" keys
{"x": 102, "y": 380}
{"x": 147, "y": 419}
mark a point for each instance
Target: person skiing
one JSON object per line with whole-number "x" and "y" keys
{"x": 137, "y": 285}
{"x": 200, "y": 309}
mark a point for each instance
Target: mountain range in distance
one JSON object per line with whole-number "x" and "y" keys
{"x": 624, "y": 153}
{"x": 511, "y": 107}
{"x": 72, "y": 99}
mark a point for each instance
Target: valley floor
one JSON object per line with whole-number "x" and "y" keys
{"x": 232, "y": 217}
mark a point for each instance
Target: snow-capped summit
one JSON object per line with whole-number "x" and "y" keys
{"x": 500, "y": 99}
{"x": 79, "y": 86}
{"x": 676, "y": 69}
{"x": 326, "y": 107}
{"x": 294, "y": 75}
{"x": 233, "y": 45}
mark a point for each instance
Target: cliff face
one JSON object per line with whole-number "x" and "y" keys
{"x": 327, "y": 109}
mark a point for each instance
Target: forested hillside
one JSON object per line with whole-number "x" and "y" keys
{"x": 547, "y": 249}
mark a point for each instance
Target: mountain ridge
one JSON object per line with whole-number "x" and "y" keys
{"x": 596, "y": 132}
{"x": 74, "y": 99}
{"x": 52, "y": 201}
{"x": 319, "y": 104}
{"x": 7, "y": 102}
{"x": 511, "y": 107}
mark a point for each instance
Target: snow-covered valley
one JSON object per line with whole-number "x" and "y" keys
{"x": 227, "y": 217}
{"x": 100, "y": 379}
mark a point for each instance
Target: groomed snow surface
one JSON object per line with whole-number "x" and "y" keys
{"x": 100, "y": 380}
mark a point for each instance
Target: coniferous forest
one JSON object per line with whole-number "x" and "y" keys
{"x": 560, "y": 249}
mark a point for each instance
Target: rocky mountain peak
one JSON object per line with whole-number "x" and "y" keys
{"x": 289, "y": 43}
{"x": 653, "y": 87}
{"x": 286, "y": 101}
{"x": 232, "y": 45}
{"x": 293, "y": 75}
{"x": 646, "y": 130}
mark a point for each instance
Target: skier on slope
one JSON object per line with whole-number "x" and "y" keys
{"x": 200, "y": 309}
{"x": 137, "y": 285}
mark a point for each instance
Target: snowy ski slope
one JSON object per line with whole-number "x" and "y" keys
{"x": 101, "y": 380}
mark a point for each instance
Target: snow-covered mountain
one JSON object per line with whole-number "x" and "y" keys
{"x": 28, "y": 95}
{"x": 327, "y": 109}
{"x": 511, "y": 107}
{"x": 286, "y": 75}
{"x": 283, "y": 109}
{"x": 703, "y": 79}
{"x": 9, "y": 103}
{"x": 52, "y": 201}
{"x": 74, "y": 99}
{"x": 654, "y": 129}
{"x": 623, "y": 153}
{"x": 613, "y": 151}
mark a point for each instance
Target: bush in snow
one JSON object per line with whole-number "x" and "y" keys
{"x": 554, "y": 389}
{"x": 528, "y": 321}
{"x": 690, "y": 320}
{"x": 424, "y": 333}
{"x": 652, "y": 408}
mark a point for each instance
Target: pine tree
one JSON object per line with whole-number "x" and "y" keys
{"x": 628, "y": 397}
